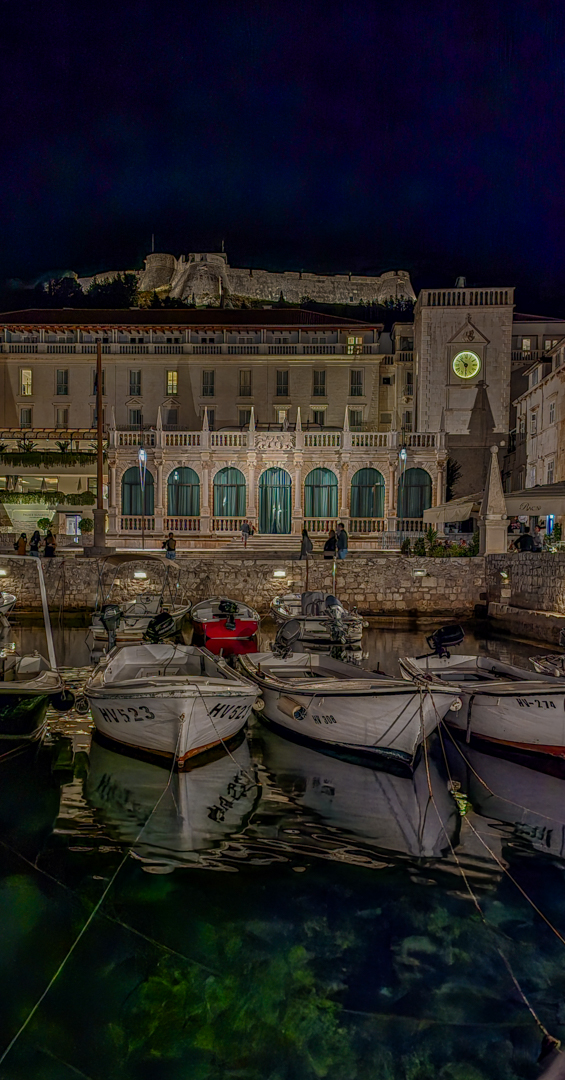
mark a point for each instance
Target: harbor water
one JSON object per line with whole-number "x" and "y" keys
{"x": 276, "y": 913}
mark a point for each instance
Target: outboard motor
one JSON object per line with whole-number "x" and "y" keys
{"x": 445, "y": 638}
{"x": 161, "y": 627}
{"x": 336, "y": 611}
{"x": 287, "y": 635}
{"x": 110, "y": 618}
{"x": 229, "y": 608}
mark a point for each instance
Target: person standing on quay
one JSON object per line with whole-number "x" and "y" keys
{"x": 245, "y": 531}
{"x": 341, "y": 541}
{"x": 306, "y": 547}
{"x": 21, "y": 544}
{"x": 330, "y": 545}
{"x": 34, "y": 544}
{"x": 170, "y": 546}
{"x": 50, "y": 545}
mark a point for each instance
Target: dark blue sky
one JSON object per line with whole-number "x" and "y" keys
{"x": 422, "y": 134}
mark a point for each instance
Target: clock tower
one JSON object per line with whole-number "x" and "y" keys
{"x": 462, "y": 362}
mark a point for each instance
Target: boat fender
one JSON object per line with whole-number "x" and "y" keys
{"x": 81, "y": 705}
{"x": 456, "y": 705}
{"x": 259, "y": 704}
{"x": 63, "y": 701}
{"x": 291, "y": 708}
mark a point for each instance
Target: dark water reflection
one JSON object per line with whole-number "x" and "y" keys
{"x": 278, "y": 913}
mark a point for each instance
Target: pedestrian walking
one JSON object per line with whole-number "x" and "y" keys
{"x": 21, "y": 544}
{"x": 330, "y": 545}
{"x": 34, "y": 544}
{"x": 341, "y": 540}
{"x": 50, "y": 545}
{"x": 538, "y": 539}
{"x": 245, "y": 531}
{"x": 170, "y": 546}
{"x": 306, "y": 547}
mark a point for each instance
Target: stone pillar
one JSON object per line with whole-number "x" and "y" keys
{"x": 251, "y": 504}
{"x": 297, "y": 514}
{"x": 205, "y": 523}
{"x": 391, "y": 502}
{"x": 344, "y": 495}
{"x": 112, "y": 501}
{"x": 493, "y": 522}
{"x": 159, "y": 508}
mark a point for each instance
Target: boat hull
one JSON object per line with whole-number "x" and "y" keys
{"x": 216, "y": 629}
{"x": 529, "y": 727}
{"x": 177, "y": 725}
{"x": 381, "y": 729}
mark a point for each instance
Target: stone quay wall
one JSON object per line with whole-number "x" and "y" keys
{"x": 534, "y": 582}
{"x": 376, "y": 585}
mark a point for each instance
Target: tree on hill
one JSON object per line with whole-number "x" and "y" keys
{"x": 120, "y": 291}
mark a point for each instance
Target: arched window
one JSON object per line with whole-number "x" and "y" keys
{"x": 183, "y": 493}
{"x": 229, "y": 493}
{"x": 131, "y": 492}
{"x": 367, "y": 494}
{"x": 320, "y": 494}
{"x": 414, "y": 493}
{"x": 275, "y": 501}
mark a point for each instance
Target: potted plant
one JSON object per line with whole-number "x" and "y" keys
{"x": 43, "y": 523}
{"x": 86, "y": 527}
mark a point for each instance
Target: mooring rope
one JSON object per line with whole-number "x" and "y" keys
{"x": 92, "y": 915}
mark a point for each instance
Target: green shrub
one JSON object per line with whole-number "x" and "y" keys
{"x": 43, "y": 523}
{"x": 420, "y": 546}
{"x": 405, "y": 546}
{"x": 86, "y": 525}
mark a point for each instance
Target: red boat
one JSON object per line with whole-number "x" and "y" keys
{"x": 221, "y": 618}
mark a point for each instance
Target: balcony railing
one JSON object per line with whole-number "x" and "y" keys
{"x": 277, "y": 440}
{"x": 182, "y": 524}
{"x": 137, "y": 523}
{"x": 322, "y": 438}
{"x": 227, "y": 525}
{"x": 320, "y": 525}
{"x": 187, "y": 348}
{"x": 363, "y": 526}
{"x": 370, "y": 438}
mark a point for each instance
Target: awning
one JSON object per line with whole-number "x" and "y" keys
{"x": 454, "y": 510}
{"x": 540, "y": 501}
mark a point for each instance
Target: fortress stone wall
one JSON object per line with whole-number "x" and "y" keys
{"x": 208, "y": 276}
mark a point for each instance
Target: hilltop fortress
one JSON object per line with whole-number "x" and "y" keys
{"x": 208, "y": 279}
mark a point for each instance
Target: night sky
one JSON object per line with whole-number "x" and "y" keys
{"x": 334, "y": 137}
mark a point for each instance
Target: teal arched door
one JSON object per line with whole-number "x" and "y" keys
{"x": 320, "y": 494}
{"x": 275, "y": 501}
{"x": 367, "y": 494}
{"x": 414, "y": 493}
{"x": 132, "y": 496}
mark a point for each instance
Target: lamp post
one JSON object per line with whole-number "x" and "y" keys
{"x": 142, "y": 462}
{"x": 99, "y": 545}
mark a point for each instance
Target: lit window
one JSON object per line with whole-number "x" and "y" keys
{"x": 354, "y": 346}
{"x": 550, "y": 343}
{"x": 25, "y": 383}
{"x": 319, "y": 386}
{"x": 208, "y": 379}
{"x": 245, "y": 384}
{"x": 172, "y": 382}
{"x": 62, "y": 382}
{"x": 526, "y": 344}
{"x": 282, "y": 383}
{"x": 356, "y": 383}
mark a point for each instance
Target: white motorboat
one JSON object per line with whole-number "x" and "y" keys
{"x": 139, "y": 611}
{"x": 355, "y": 810}
{"x": 30, "y": 682}
{"x": 199, "y": 812}
{"x": 171, "y": 701}
{"x": 510, "y": 710}
{"x": 346, "y": 710}
{"x": 321, "y": 617}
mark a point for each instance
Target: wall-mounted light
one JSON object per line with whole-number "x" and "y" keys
{"x": 417, "y": 573}
{"x": 3, "y": 573}
{"x": 279, "y": 573}
{"x": 140, "y": 574}
{"x": 504, "y": 575}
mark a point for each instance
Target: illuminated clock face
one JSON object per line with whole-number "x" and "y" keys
{"x": 466, "y": 365}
